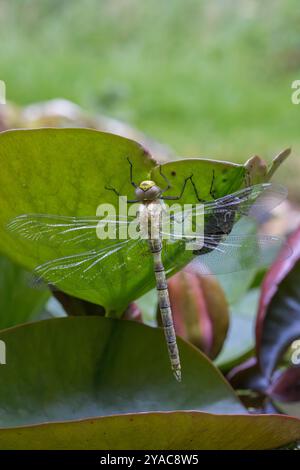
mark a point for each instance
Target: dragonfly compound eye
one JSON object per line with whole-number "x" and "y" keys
{"x": 147, "y": 190}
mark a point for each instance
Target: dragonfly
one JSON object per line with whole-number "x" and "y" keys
{"x": 215, "y": 249}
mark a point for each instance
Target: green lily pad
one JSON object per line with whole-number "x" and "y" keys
{"x": 226, "y": 177}
{"x": 18, "y": 302}
{"x": 64, "y": 172}
{"x": 101, "y": 366}
{"x": 98, "y": 383}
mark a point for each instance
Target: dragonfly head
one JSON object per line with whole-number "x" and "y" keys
{"x": 147, "y": 191}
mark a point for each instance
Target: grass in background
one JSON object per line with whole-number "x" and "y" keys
{"x": 208, "y": 78}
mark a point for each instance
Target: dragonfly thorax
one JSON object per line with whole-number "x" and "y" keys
{"x": 147, "y": 191}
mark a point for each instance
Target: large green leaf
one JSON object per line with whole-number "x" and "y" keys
{"x": 18, "y": 302}
{"x": 227, "y": 177}
{"x": 103, "y": 366}
{"x": 167, "y": 430}
{"x": 98, "y": 383}
{"x": 64, "y": 172}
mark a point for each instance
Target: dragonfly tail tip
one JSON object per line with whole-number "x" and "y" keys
{"x": 177, "y": 374}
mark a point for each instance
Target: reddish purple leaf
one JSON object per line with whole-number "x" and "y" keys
{"x": 200, "y": 310}
{"x": 247, "y": 376}
{"x": 287, "y": 387}
{"x": 278, "y": 320}
{"x": 191, "y": 317}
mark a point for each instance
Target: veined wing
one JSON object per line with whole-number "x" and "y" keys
{"x": 255, "y": 201}
{"x": 235, "y": 252}
{"x": 87, "y": 266}
{"x": 56, "y": 230}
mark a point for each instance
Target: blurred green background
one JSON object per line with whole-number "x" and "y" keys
{"x": 209, "y": 78}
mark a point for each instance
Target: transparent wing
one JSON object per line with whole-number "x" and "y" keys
{"x": 56, "y": 230}
{"x": 86, "y": 267}
{"x": 218, "y": 218}
{"x": 255, "y": 201}
{"x": 235, "y": 253}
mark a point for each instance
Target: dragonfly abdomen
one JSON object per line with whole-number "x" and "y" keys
{"x": 165, "y": 307}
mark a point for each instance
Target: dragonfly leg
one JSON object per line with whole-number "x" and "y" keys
{"x": 211, "y": 190}
{"x": 175, "y": 198}
{"x": 131, "y": 177}
{"x": 129, "y": 201}
{"x": 166, "y": 180}
{"x": 132, "y": 201}
{"x": 196, "y": 191}
{"x": 110, "y": 188}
